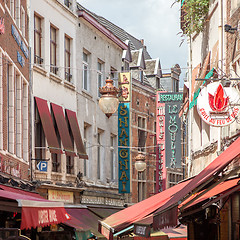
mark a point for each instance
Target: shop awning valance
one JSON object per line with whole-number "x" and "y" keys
{"x": 47, "y": 125}
{"x": 161, "y": 217}
{"x": 63, "y": 129}
{"x": 36, "y": 211}
{"x": 72, "y": 118}
{"x": 126, "y": 217}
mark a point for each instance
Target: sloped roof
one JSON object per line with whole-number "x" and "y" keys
{"x": 135, "y": 44}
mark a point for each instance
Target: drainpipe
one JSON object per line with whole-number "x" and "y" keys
{"x": 189, "y": 164}
{"x": 220, "y": 36}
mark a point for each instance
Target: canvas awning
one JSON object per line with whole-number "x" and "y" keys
{"x": 126, "y": 217}
{"x": 63, "y": 129}
{"x": 36, "y": 211}
{"x": 161, "y": 218}
{"x": 72, "y": 118}
{"x": 47, "y": 125}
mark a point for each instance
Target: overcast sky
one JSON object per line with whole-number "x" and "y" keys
{"x": 152, "y": 20}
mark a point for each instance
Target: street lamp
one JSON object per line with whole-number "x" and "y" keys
{"x": 108, "y": 102}
{"x": 140, "y": 163}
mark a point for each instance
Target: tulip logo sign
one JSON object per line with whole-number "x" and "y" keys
{"x": 217, "y": 105}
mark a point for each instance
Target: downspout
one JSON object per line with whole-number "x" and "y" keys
{"x": 220, "y": 36}
{"x": 189, "y": 163}
{"x": 30, "y": 93}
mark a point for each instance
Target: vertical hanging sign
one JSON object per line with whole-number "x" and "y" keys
{"x": 172, "y": 103}
{"x": 123, "y": 148}
{"x": 160, "y": 156}
{"x": 124, "y": 83}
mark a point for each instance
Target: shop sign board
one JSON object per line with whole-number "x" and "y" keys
{"x": 124, "y": 84}
{"x": 123, "y": 148}
{"x": 173, "y": 153}
{"x": 218, "y": 106}
{"x": 61, "y": 196}
{"x": 10, "y": 167}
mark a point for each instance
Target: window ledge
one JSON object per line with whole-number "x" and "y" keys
{"x": 55, "y": 77}
{"x": 40, "y": 70}
{"x": 69, "y": 85}
{"x": 87, "y": 94}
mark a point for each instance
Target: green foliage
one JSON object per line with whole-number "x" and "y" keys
{"x": 194, "y": 15}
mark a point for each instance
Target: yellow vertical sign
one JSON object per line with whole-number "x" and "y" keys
{"x": 124, "y": 84}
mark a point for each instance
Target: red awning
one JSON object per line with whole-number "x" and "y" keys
{"x": 128, "y": 216}
{"x": 223, "y": 188}
{"x": 63, "y": 129}
{"x": 160, "y": 219}
{"x": 47, "y": 124}
{"x": 88, "y": 220}
{"x": 36, "y": 211}
{"x": 72, "y": 118}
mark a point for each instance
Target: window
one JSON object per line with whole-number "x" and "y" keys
{"x": 56, "y": 167}
{"x": 126, "y": 66}
{"x": 85, "y": 146}
{"x": 158, "y": 83}
{"x": 67, "y": 60}
{"x": 86, "y": 84}
{"x": 70, "y": 164}
{"x": 99, "y": 76}
{"x": 18, "y": 115}
{"x": 12, "y": 8}
{"x": 141, "y": 75}
{"x": 22, "y": 21}
{"x": 141, "y": 186}
{"x": 53, "y": 50}
{"x": 142, "y": 134}
{"x": 113, "y": 157}
{"x": 37, "y": 40}
{"x": 10, "y": 107}
{"x": 114, "y": 76}
{"x": 99, "y": 153}
{"x": 40, "y": 143}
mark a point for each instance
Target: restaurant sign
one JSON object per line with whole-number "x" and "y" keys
{"x": 172, "y": 102}
{"x": 123, "y": 148}
{"x": 62, "y": 196}
{"x": 217, "y": 105}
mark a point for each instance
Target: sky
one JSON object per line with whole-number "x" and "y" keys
{"x": 155, "y": 21}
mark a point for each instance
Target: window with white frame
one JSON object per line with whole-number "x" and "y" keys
{"x": 38, "y": 59}
{"x": 67, "y": 59}
{"x": 18, "y": 13}
{"x": 25, "y": 120}
{"x": 114, "y": 76}
{"x": 12, "y": 8}
{"x": 99, "y": 153}
{"x": 22, "y": 21}
{"x": 142, "y": 134}
{"x": 99, "y": 75}
{"x": 85, "y": 142}
{"x": 113, "y": 164}
{"x": 86, "y": 77}
{"x": 53, "y": 50}
{"x": 141, "y": 186}
{"x": 10, "y": 109}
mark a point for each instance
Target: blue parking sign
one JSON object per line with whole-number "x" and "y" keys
{"x": 42, "y": 166}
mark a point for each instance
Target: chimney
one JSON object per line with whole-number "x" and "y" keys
{"x": 142, "y": 41}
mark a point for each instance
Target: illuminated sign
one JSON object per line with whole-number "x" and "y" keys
{"x": 124, "y": 83}
{"x": 123, "y": 149}
{"x": 217, "y": 105}
{"x": 172, "y": 102}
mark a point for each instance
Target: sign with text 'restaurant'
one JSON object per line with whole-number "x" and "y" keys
{"x": 123, "y": 148}
{"x": 217, "y": 105}
{"x": 172, "y": 103}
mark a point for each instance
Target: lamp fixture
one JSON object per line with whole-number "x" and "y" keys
{"x": 108, "y": 102}
{"x": 140, "y": 163}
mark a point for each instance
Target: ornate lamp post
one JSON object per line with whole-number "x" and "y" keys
{"x": 140, "y": 163}
{"x": 108, "y": 102}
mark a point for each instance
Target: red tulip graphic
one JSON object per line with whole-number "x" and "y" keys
{"x": 218, "y": 102}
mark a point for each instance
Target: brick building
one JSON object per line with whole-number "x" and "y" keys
{"x": 14, "y": 89}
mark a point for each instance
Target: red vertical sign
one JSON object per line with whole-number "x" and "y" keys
{"x": 161, "y": 172}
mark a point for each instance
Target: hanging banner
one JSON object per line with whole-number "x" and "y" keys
{"x": 217, "y": 105}
{"x": 173, "y": 151}
{"x": 123, "y": 148}
{"x": 124, "y": 84}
